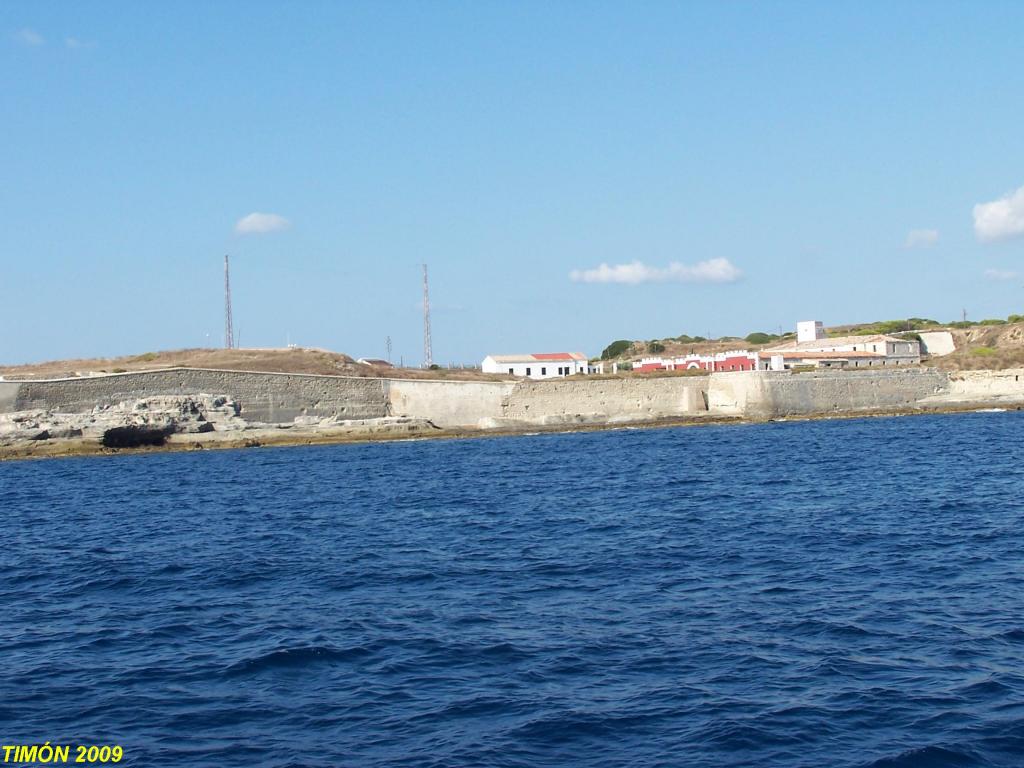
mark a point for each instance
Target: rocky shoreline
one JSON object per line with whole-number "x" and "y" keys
{"x": 205, "y": 422}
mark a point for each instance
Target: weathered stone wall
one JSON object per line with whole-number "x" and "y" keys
{"x": 449, "y": 403}
{"x": 266, "y": 397}
{"x": 937, "y": 343}
{"x": 8, "y": 395}
{"x": 593, "y": 400}
{"x": 771, "y": 394}
{"x": 272, "y": 397}
{"x": 554, "y": 401}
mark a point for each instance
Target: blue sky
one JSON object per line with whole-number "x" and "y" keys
{"x": 572, "y": 172}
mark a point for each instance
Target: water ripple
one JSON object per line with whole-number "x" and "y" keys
{"x": 794, "y": 594}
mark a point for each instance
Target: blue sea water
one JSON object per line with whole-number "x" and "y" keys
{"x": 845, "y": 593}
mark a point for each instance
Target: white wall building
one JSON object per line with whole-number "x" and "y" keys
{"x": 540, "y": 365}
{"x": 812, "y": 347}
{"x": 810, "y": 330}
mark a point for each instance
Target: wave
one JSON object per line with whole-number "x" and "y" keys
{"x": 294, "y": 658}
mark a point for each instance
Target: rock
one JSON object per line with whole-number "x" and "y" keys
{"x": 64, "y": 433}
{"x": 134, "y": 436}
{"x": 131, "y": 422}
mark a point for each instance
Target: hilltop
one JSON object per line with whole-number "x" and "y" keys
{"x": 290, "y": 360}
{"x": 992, "y": 344}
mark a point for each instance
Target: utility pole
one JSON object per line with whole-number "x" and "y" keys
{"x": 229, "y": 331}
{"x": 964, "y": 315}
{"x": 428, "y": 354}
{"x": 387, "y": 343}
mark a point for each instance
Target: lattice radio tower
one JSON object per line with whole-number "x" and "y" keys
{"x": 229, "y": 330}
{"x": 428, "y": 355}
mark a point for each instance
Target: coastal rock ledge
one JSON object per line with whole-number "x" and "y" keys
{"x": 142, "y": 421}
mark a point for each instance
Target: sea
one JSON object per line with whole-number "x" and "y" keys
{"x": 819, "y": 593}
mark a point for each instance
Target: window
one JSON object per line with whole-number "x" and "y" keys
{"x": 543, "y": 371}
{"x": 511, "y": 370}
{"x": 527, "y": 371}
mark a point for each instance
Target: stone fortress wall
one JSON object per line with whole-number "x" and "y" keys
{"x": 454, "y": 404}
{"x": 609, "y": 401}
{"x": 774, "y": 394}
{"x": 280, "y": 398}
{"x": 264, "y": 397}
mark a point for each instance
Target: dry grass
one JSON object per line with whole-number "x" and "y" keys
{"x": 292, "y": 360}
{"x": 981, "y": 347}
{"x": 988, "y": 347}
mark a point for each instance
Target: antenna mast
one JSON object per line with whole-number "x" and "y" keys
{"x": 229, "y": 331}
{"x": 428, "y": 355}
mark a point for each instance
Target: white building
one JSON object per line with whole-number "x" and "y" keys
{"x": 812, "y": 347}
{"x": 810, "y": 330}
{"x": 541, "y": 365}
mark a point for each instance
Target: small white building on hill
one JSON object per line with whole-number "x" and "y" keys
{"x": 540, "y": 365}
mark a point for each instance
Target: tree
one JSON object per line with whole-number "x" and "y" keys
{"x": 615, "y": 349}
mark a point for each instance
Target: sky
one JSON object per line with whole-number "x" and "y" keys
{"x": 572, "y": 172}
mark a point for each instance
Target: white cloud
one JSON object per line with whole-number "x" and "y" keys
{"x": 76, "y": 43}
{"x": 30, "y": 37}
{"x": 1001, "y": 274}
{"x": 261, "y": 223}
{"x": 710, "y": 271}
{"x": 921, "y": 238}
{"x": 1001, "y": 219}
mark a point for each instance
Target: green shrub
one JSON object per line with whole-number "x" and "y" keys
{"x": 616, "y": 349}
{"x": 992, "y": 321}
{"x": 684, "y": 339}
{"x": 760, "y": 338}
{"x": 962, "y": 324}
{"x": 892, "y": 326}
{"x": 983, "y": 351}
{"x": 119, "y": 370}
{"x": 1015, "y": 319}
{"x": 655, "y": 346}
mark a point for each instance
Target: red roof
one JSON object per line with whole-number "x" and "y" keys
{"x": 553, "y": 356}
